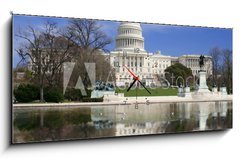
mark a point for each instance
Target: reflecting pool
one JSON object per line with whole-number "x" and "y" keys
{"x": 83, "y": 122}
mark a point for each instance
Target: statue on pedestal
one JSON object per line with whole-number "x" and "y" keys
{"x": 202, "y": 76}
{"x": 201, "y": 61}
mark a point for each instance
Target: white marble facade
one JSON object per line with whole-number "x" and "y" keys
{"x": 149, "y": 67}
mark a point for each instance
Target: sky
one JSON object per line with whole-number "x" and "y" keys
{"x": 171, "y": 40}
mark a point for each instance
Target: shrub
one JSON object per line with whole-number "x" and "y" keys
{"x": 53, "y": 95}
{"x": 26, "y": 93}
{"x": 88, "y": 91}
{"x": 88, "y": 99}
{"x": 72, "y": 94}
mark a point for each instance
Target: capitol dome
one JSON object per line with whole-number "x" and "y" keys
{"x": 129, "y": 37}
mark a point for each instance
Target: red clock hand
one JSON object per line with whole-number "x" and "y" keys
{"x": 135, "y": 77}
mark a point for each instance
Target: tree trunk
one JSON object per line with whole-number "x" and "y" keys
{"x": 41, "y": 94}
{"x": 41, "y": 87}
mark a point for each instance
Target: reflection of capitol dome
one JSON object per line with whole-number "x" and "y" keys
{"x": 129, "y": 36}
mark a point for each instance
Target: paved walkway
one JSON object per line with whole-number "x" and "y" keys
{"x": 110, "y": 100}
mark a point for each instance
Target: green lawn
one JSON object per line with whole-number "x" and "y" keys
{"x": 154, "y": 92}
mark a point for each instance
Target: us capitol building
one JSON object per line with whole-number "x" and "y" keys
{"x": 130, "y": 52}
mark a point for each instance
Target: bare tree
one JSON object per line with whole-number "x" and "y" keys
{"x": 45, "y": 50}
{"x": 222, "y": 67}
{"x": 227, "y": 67}
{"x": 58, "y": 50}
{"x": 216, "y": 62}
{"x": 90, "y": 43}
{"x": 33, "y": 50}
{"x": 48, "y": 47}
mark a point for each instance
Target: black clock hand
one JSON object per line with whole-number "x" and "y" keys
{"x": 131, "y": 85}
{"x": 136, "y": 79}
{"x": 144, "y": 86}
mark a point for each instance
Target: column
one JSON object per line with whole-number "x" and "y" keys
{"x": 138, "y": 62}
{"x": 120, "y": 61}
{"x": 129, "y": 58}
{"x": 134, "y": 64}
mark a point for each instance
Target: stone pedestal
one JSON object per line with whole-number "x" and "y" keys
{"x": 203, "y": 88}
{"x": 180, "y": 92}
{"x": 187, "y": 92}
{"x": 99, "y": 94}
{"x": 223, "y": 91}
{"x": 214, "y": 90}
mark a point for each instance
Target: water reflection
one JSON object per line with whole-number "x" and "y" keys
{"x": 49, "y": 124}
